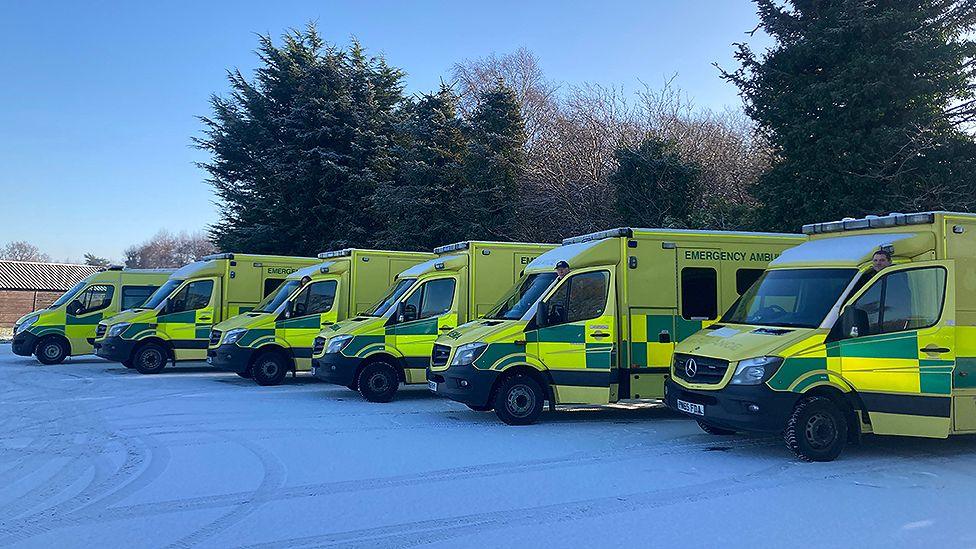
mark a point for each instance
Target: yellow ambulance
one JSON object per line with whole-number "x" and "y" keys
{"x": 390, "y": 343}
{"x": 174, "y": 323}
{"x": 67, "y": 327}
{"x": 276, "y": 336}
{"x": 603, "y": 331}
{"x": 831, "y": 342}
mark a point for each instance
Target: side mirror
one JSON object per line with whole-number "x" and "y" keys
{"x": 74, "y": 307}
{"x": 664, "y": 337}
{"x": 854, "y": 323}
{"x": 409, "y": 312}
{"x": 557, "y": 313}
{"x": 541, "y": 315}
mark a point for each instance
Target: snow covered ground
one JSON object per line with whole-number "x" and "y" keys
{"x": 92, "y": 454}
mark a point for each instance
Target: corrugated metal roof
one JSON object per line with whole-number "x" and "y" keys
{"x": 29, "y": 275}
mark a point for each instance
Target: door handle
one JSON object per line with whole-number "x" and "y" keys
{"x": 934, "y": 350}
{"x": 600, "y": 334}
{"x": 206, "y": 318}
{"x": 445, "y": 328}
{"x": 327, "y": 323}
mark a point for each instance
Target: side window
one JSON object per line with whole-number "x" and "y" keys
{"x": 270, "y": 285}
{"x": 699, "y": 293}
{"x": 438, "y": 297}
{"x": 95, "y": 298}
{"x": 744, "y": 279}
{"x": 193, "y": 296}
{"x": 133, "y": 296}
{"x": 581, "y": 297}
{"x": 316, "y": 298}
{"x": 903, "y": 300}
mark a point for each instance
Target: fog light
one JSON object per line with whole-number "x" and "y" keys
{"x": 464, "y": 383}
{"x": 753, "y": 407}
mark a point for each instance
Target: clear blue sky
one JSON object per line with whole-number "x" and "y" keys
{"x": 98, "y": 99}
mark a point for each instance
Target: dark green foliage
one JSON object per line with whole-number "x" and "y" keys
{"x": 862, "y": 102}
{"x": 492, "y": 167}
{"x": 654, "y": 187}
{"x": 92, "y": 259}
{"x": 419, "y": 210}
{"x": 299, "y": 152}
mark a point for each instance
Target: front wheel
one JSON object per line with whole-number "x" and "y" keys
{"x": 519, "y": 400}
{"x": 51, "y": 350}
{"x": 378, "y": 382}
{"x": 817, "y": 430}
{"x": 149, "y": 359}
{"x": 269, "y": 369}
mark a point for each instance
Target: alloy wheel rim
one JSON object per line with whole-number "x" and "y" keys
{"x": 378, "y": 383}
{"x": 52, "y": 351}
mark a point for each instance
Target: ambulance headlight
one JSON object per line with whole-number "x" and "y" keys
{"x": 26, "y": 324}
{"x": 337, "y": 344}
{"x": 233, "y": 336}
{"x": 466, "y": 354}
{"x": 753, "y": 371}
{"x": 117, "y": 329}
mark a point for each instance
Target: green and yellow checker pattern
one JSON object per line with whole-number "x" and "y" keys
{"x": 411, "y": 342}
{"x": 645, "y": 348}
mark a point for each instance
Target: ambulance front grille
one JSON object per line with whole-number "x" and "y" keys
{"x": 440, "y": 355}
{"x": 706, "y": 370}
{"x": 214, "y": 337}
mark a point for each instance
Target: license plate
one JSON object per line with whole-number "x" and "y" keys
{"x": 691, "y": 408}
{"x": 432, "y": 385}
{"x": 209, "y": 360}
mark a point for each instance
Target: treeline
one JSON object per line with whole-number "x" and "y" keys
{"x": 857, "y": 109}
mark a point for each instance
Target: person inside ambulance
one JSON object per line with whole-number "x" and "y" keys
{"x": 562, "y": 269}
{"x": 881, "y": 260}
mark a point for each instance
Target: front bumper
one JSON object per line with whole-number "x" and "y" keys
{"x": 465, "y": 384}
{"x": 114, "y": 348}
{"x": 230, "y": 358}
{"x": 728, "y": 408}
{"x": 23, "y": 344}
{"x": 336, "y": 368}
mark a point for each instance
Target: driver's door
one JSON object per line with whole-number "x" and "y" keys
{"x": 577, "y": 343}
{"x": 313, "y": 309}
{"x": 188, "y": 317}
{"x": 896, "y": 345}
{"x": 84, "y": 313}
{"x": 430, "y": 310}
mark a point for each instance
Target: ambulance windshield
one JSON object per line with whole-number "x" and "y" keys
{"x": 69, "y": 295}
{"x": 799, "y": 298}
{"x": 272, "y": 301}
{"x": 162, "y": 293}
{"x": 392, "y": 296}
{"x": 522, "y": 296}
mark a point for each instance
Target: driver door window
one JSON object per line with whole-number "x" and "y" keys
{"x": 432, "y": 299}
{"x": 900, "y": 301}
{"x": 193, "y": 296}
{"x": 95, "y": 298}
{"x": 581, "y": 297}
{"x": 316, "y": 298}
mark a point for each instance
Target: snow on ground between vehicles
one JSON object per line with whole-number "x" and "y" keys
{"x": 93, "y": 453}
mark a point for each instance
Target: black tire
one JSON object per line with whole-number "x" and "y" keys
{"x": 51, "y": 350}
{"x": 149, "y": 358}
{"x": 817, "y": 430}
{"x": 485, "y": 408}
{"x": 246, "y": 374}
{"x": 518, "y": 400}
{"x": 269, "y": 369}
{"x": 378, "y": 382}
{"x": 713, "y": 430}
